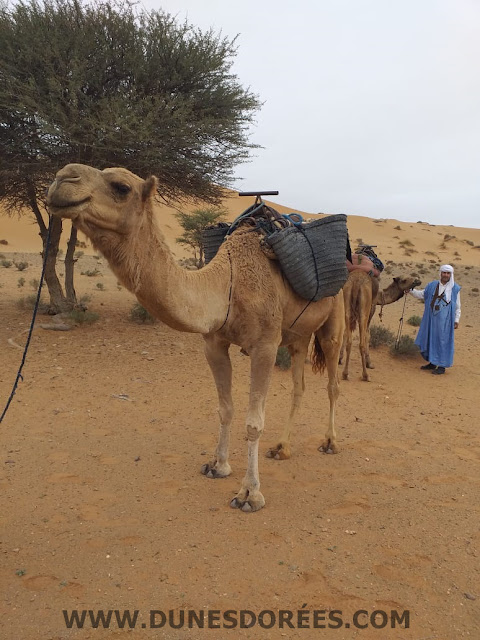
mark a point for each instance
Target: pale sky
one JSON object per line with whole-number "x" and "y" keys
{"x": 371, "y": 107}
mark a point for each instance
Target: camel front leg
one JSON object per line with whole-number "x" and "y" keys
{"x": 298, "y": 353}
{"x": 262, "y": 360}
{"x": 216, "y": 352}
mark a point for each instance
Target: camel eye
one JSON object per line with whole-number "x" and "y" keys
{"x": 121, "y": 188}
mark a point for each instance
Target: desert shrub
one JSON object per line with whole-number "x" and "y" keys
{"x": 405, "y": 347}
{"x": 406, "y": 243}
{"x": 388, "y": 269}
{"x": 140, "y": 315}
{"x": 21, "y": 282}
{"x": 380, "y": 335}
{"x": 78, "y": 254}
{"x": 100, "y": 286}
{"x": 398, "y": 227}
{"x": 91, "y": 273}
{"x": 5, "y": 242}
{"x": 414, "y": 321}
{"x": 21, "y": 266}
{"x": 283, "y": 360}
{"x": 475, "y": 289}
{"x": 6, "y": 263}
{"x": 83, "y": 317}
{"x": 448, "y": 237}
{"x": 34, "y": 283}
{"x": 470, "y": 242}
{"x": 27, "y": 302}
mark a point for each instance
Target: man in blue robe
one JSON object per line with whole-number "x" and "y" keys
{"x": 440, "y": 318}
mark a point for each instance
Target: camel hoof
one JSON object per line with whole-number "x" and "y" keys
{"x": 370, "y": 365}
{"x": 345, "y": 376}
{"x": 365, "y": 378}
{"x": 251, "y": 504}
{"x": 328, "y": 446}
{"x": 211, "y": 471}
{"x": 279, "y": 452}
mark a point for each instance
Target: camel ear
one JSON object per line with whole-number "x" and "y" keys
{"x": 149, "y": 188}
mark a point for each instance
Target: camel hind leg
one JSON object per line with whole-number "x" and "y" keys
{"x": 216, "y": 352}
{"x": 298, "y": 352}
{"x": 328, "y": 342}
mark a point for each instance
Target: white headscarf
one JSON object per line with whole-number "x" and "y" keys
{"x": 450, "y": 283}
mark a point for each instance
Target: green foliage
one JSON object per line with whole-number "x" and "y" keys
{"x": 283, "y": 359}
{"x": 83, "y": 317}
{"x": 405, "y": 347}
{"x": 21, "y": 282}
{"x": 140, "y": 315}
{"x": 380, "y": 335}
{"x": 6, "y": 263}
{"x": 21, "y": 266}
{"x": 414, "y": 321}
{"x": 193, "y": 224}
{"x": 112, "y": 84}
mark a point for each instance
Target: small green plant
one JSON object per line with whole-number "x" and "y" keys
{"x": 21, "y": 282}
{"x": 405, "y": 347}
{"x": 100, "y": 286}
{"x": 91, "y": 273}
{"x": 283, "y": 360}
{"x": 21, "y": 266}
{"x": 140, "y": 315}
{"x": 380, "y": 335}
{"x": 6, "y": 263}
{"x": 83, "y": 317}
{"x": 20, "y": 572}
{"x": 414, "y": 321}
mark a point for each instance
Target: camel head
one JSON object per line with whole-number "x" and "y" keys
{"x": 406, "y": 283}
{"x": 110, "y": 200}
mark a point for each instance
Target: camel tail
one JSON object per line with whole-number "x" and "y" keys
{"x": 354, "y": 307}
{"x": 318, "y": 357}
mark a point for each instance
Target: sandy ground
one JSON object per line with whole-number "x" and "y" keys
{"x": 103, "y": 506}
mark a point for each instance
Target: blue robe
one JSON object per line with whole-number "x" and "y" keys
{"x": 435, "y": 336}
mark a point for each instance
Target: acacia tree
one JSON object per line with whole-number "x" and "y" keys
{"x": 107, "y": 85}
{"x": 193, "y": 224}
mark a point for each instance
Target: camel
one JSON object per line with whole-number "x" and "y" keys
{"x": 239, "y": 298}
{"x": 361, "y": 296}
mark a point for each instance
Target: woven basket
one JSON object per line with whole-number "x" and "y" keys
{"x": 313, "y": 256}
{"x": 212, "y": 238}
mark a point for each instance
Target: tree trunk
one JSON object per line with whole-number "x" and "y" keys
{"x": 58, "y": 302}
{"x": 69, "y": 268}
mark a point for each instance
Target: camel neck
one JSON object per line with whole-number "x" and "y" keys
{"x": 389, "y": 295}
{"x": 191, "y": 301}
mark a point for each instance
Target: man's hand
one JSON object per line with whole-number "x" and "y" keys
{"x": 456, "y": 325}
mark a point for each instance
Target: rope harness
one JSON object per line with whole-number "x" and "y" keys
{"x": 35, "y": 309}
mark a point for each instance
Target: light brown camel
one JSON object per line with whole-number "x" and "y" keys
{"x": 240, "y": 297}
{"x": 361, "y": 295}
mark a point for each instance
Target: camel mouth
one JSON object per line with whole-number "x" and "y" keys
{"x": 60, "y": 208}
